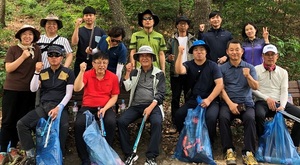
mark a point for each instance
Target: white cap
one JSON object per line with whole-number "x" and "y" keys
{"x": 270, "y": 48}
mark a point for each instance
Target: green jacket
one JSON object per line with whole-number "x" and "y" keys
{"x": 172, "y": 48}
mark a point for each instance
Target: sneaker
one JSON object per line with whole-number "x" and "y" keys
{"x": 4, "y": 158}
{"x": 230, "y": 157}
{"x": 131, "y": 159}
{"x": 249, "y": 159}
{"x": 14, "y": 156}
{"x": 151, "y": 161}
{"x": 29, "y": 161}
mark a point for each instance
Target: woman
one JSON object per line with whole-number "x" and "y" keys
{"x": 17, "y": 99}
{"x": 252, "y": 44}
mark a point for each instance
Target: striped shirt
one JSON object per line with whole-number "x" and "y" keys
{"x": 61, "y": 41}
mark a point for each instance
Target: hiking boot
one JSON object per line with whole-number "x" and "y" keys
{"x": 230, "y": 157}
{"x": 29, "y": 161}
{"x": 150, "y": 161}
{"x": 4, "y": 158}
{"x": 14, "y": 156}
{"x": 131, "y": 159}
{"x": 249, "y": 159}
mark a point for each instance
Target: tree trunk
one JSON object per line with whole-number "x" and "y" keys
{"x": 2, "y": 13}
{"x": 201, "y": 12}
{"x": 119, "y": 18}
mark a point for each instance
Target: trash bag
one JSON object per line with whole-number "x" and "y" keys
{"x": 99, "y": 150}
{"x": 276, "y": 145}
{"x": 194, "y": 143}
{"x": 48, "y": 151}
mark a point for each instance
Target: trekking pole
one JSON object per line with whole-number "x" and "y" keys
{"x": 137, "y": 140}
{"x": 91, "y": 40}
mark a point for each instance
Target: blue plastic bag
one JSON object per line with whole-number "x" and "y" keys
{"x": 48, "y": 151}
{"x": 194, "y": 143}
{"x": 99, "y": 150}
{"x": 276, "y": 145}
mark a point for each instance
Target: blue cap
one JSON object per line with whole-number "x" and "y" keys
{"x": 199, "y": 43}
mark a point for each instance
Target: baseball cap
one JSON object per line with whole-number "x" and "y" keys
{"x": 270, "y": 48}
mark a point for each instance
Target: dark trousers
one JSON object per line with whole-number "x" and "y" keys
{"x": 211, "y": 116}
{"x": 177, "y": 86}
{"x": 129, "y": 116}
{"x": 15, "y": 104}
{"x": 27, "y": 124}
{"x": 262, "y": 111}
{"x": 248, "y": 119}
{"x": 80, "y": 125}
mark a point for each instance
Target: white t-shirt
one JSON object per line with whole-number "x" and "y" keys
{"x": 183, "y": 42}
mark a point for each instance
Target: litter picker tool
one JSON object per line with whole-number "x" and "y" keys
{"x": 290, "y": 116}
{"x": 91, "y": 40}
{"x": 137, "y": 140}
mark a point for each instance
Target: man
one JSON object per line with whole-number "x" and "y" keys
{"x": 101, "y": 90}
{"x": 183, "y": 38}
{"x": 216, "y": 38}
{"x": 147, "y": 90}
{"x": 115, "y": 48}
{"x": 239, "y": 80}
{"x": 272, "y": 94}
{"x": 200, "y": 71}
{"x": 56, "y": 84}
{"x": 88, "y": 35}
{"x": 52, "y": 24}
{"x": 148, "y": 36}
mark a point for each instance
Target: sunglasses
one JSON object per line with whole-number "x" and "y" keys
{"x": 54, "y": 55}
{"x": 147, "y": 18}
{"x": 114, "y": 40}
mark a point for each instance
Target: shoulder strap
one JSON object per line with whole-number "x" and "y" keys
{"x": 50, "y": 44}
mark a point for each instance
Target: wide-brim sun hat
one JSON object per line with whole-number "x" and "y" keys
{"x": 24, "y": 28}
{"x": 140, "y": 17}
{"x": 144, "y": 50}
{"x": 51, "y": 17}
{"x": 199, "y": 43}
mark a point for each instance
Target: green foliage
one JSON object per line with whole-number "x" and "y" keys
{"x": 289, "y": 55}
{"x": 2, "y": 70}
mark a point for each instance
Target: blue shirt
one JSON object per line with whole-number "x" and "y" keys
{"x": 204, "y": 85}
{"x": 116, "y": 54}
{"x": 236, "y": 84}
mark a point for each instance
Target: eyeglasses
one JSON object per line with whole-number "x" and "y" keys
{"x": 114, "y": 40}
{"x": 147, "y": 18}
{"x": 100, "y": 63}
{"x": 54, "y": 55}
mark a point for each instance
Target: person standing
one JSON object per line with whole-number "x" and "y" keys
{"x": 147, "y": 92}
{"x": 200, "y": 71}
{"x": 253, "y": 45}
{"x": 239, "y": 80}
{"x": 112, "y": 45}
{"x": 17, "y": 99}
{"x": 148, "y": 36}
{"x": 56, "y": 85}
{"x": 52, "y": 24}
{"x": 100, "y": 92}
{"x": 272, "y": 94}
{"x": 183, "y": 38}
{"x": 83, "y": 37}
{"x": 216, "y": 38}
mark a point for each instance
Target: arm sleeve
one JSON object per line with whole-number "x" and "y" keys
{"x": 34, "y": 83}
{"x": 161, "y": 87}
{"x": 119, "y": 71}
{"x": 69, "y": 92}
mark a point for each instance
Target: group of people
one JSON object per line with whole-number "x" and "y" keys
{"x": 226, "y": 73}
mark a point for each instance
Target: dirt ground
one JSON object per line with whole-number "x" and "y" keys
{"x": 168, "y": 144}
